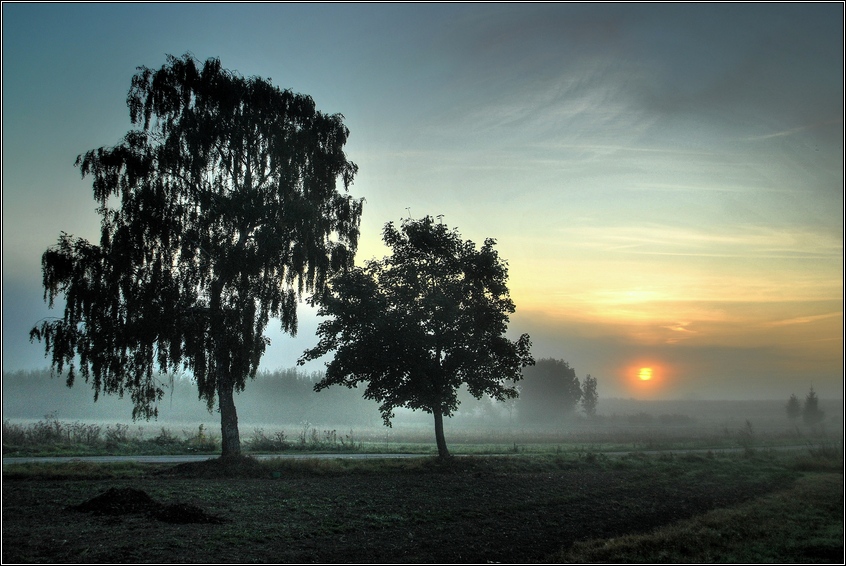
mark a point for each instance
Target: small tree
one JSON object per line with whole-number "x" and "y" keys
{"x": 811, "y": 413}
{"x": 590, "y": 397}
{"x": 218, "y": 211}
{"x": 417, "y": 325}
{"x": 549, "y": 390}
{"x": 793, "y": 408}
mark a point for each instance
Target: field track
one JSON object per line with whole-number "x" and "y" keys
{"x": 178, "y": 459}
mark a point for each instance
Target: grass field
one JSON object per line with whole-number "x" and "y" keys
{"x": 755, "y": 506}
{"x": 53, "y": 437}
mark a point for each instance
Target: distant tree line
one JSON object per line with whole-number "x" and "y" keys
{"x": 550, "y": 394}
{"x": 283, "y": 397}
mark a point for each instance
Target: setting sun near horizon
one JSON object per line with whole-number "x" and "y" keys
{"x": 646, "y": 378}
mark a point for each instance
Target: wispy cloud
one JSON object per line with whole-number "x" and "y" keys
{"x": 681, "y": 327}
{"x": 805, "y": 319}
{"x": 619, "y": 148}
{"x": 736, "y": 242}
{"x": 702, "y": 188}
{"x": 792, "y": 131}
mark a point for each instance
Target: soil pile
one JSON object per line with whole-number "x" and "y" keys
{"x": 118, "y": 502}
{"x": 231, "y": 467}
{"x": 125, "y": 501}
{"x": 184, "y": 513}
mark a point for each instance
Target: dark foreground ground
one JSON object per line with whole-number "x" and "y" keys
{"x": 471, "y": 510}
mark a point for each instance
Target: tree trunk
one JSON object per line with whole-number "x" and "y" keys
{"x": 230, "y": 439}
{"x": 439, "y": 433}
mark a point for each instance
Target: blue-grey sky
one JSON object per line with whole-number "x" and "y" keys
{"x": 666, "y": 181}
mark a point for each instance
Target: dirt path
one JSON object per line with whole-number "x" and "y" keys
{"x": 178, "y": 459}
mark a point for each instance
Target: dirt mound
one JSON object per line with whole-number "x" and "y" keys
{"x": 232, "y": 467}
{"x": 118, "y": 501}
{"x": 184, "y": 513}
{"x": 126, "y": 501}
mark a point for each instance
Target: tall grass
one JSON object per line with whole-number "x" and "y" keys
{"x": 51, "y": 436}
{"x": 50, "y": 430}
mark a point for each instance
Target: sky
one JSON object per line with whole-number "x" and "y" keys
{"x": 665, "y": 181}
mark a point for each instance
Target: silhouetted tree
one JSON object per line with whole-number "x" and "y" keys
{"x": 549, "y": 390}
{"x": 590, "y": 397}
{"x": 793, "y": 407}
{"x": 811, "y": 413}
{"x": 218, "y": 211}
{"x": 417, "y": 325}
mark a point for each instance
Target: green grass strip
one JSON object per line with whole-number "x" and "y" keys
{"x": 802, "y": 524}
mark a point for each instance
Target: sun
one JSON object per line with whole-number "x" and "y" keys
{"x": 646, "y": 377}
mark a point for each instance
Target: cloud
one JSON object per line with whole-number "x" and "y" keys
{"x": 730, "y": 242}
{"x": 792, "y": 131}
{"x": 682, "y": 332}
{"x": 805, "y": 319}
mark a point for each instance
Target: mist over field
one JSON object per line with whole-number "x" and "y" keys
{"x": 285, "y": 400}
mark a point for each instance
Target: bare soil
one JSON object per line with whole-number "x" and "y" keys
{"x": 472, "y": 510}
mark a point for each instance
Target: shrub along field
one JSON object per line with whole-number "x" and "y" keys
{"x": 753, "y": 506}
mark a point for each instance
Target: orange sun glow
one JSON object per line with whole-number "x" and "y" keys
{"x": 646, "y": 377}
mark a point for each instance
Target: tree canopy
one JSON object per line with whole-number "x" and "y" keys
{"x": 549, "y": 391}
{"x": 418, "y": 324}
{"x": 220, "y": 208}
{"x": 812, "y": 415}
{"x": 590, "y": 397}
